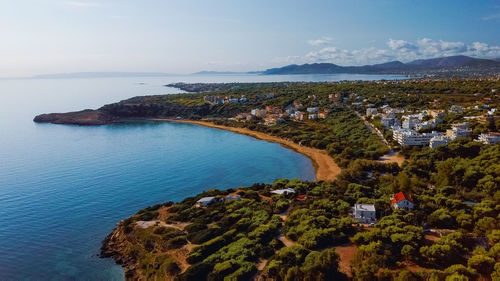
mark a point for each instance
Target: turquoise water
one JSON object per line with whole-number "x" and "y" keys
{"x": 63, "y": 188}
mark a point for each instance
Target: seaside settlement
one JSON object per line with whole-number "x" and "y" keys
{"x": 432, "y": 216}
{"x": 423, "y": 127}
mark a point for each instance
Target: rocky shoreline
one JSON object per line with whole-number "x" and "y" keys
{"x": 116, "y": 246}
{"x": 88, "y": 117}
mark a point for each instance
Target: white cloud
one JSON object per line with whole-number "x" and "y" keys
{"x": 397, "y": 50}
{"x": 320, "y": 42}
{"x": 491, "y": 17}
{"x": 400, "y": 45}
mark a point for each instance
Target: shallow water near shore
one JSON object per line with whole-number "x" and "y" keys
{"x": 64, "y": 188}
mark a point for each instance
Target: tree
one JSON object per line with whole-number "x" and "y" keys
{"x": 482, "y": 263}
{"x": 406, "y": 275}
{"x": 407, "y": 251}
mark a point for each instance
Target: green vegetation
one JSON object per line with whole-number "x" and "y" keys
{"x": 452, "y": 233}
{"x": 230, "y": 238}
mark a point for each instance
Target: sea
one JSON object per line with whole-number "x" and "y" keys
{"x": 63, "y": 188}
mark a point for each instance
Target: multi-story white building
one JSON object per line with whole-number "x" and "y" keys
{"x": 424, "y": 124}
{"x": 407, "y": 137}
{"x": 312, "y": 109}
{"x": 410, "y": 121}
{"x": 460, "y": 130}
{"x": 438, "y": 140}
{"x": 390, "y": 122}
{"x": 489, "y": 138}
{"x": 364, "y": 213}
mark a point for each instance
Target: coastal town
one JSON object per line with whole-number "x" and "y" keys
{"x": 401, "y": 126}
{"x": 414, "y": 196}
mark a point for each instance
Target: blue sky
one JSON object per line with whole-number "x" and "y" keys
{"x": 52, "y": 36}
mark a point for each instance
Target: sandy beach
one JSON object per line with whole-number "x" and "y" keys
{"x": 326, "y": 169}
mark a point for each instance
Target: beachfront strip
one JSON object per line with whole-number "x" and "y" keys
{"x": 408, "y": 128}
{"x": 273, "y": 115}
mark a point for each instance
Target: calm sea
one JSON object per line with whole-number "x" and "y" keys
{"x": 63, "y": 188}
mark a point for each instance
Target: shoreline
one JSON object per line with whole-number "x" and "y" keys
{"x": 325, "y": 168}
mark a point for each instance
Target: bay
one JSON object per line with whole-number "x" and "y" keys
{"x": 63, "y": 188}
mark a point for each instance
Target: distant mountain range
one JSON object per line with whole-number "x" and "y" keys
{"x": 452, "y": 63}
{"x": 463, "y": 65}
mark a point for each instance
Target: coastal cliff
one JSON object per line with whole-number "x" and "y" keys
{"x": 84, "y": 117}
{"x": 140, "y": 108}
{"x": 116, "y": 246}
{"x": 128, "y": 109}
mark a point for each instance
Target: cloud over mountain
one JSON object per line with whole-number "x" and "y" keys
{"x": 397, "y": 49}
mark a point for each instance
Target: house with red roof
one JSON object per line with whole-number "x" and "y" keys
{"x": 403, "y": 201}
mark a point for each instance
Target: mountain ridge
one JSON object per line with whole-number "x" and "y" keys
{"x": 449, "y": 63}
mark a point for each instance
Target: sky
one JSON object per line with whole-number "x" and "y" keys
{"x": 185, "y": 36}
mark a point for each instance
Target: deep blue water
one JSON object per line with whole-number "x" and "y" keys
{"x": 63, "y": 188}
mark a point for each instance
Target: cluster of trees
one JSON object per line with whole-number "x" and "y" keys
{"x": 299, "y": 263}
{"x": 232, "y": 237}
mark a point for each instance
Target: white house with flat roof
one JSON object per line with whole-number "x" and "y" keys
{"x": 283, "y": 191}
{"x": 364, "y": 213}
{"x": 489, "y": 138}
{"x": 205, "y": 201}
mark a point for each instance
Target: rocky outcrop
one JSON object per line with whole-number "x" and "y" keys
{"x": 84, "y": 117}
{"x": 117, "y": 246}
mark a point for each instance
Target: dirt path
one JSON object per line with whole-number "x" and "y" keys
{"x": 287, "y": 241}
{"x": 326, "y": 168}
{"x": 346, "y": 253}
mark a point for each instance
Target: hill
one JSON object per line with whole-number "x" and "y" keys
{"x": 423, "y": 66}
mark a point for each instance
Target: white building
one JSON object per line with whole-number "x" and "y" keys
{"x": 299, "y": 115}
{"x": 260, "y": 113}
{"x": 424, "y": 124}
{"x": 389, "y": 120}
{"x": 371, "y": 111}
{"x": 364, "y": 213}
{"x": 283, "y": 191}
{"x": 438, "y": 140}
{"x": 489, "y": 138}
{"x": 205, "y": 201}
{"x": 312, "y": 116}
{"x": 406, "y": 137}
{"x": 410, "y": 121}
{"x": 460, "y": 130}
{"x": 312, "y": 109}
